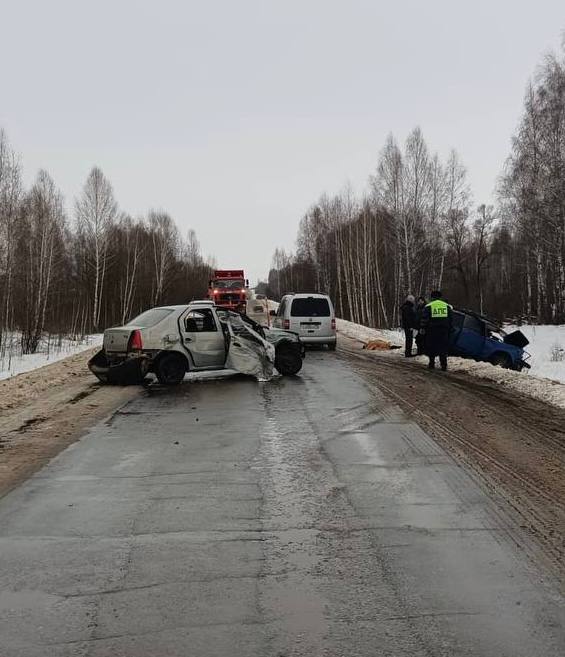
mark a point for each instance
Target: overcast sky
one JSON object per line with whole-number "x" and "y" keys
{"x": 235, "y": 116}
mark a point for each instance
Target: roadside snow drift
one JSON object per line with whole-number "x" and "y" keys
{"x": 51, "y": 350}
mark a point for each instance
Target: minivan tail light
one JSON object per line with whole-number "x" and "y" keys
{"x": 286, "y": 324}
{"x": 135, "y": 341}
{"x": 333, "y": 323}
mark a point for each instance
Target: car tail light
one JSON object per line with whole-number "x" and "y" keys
{"x": 135, "y": 341}
{"x": 286, "y": 324}
{"x": 333, "y": 324}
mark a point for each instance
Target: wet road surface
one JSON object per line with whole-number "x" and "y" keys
{"x": 304, "y": 516}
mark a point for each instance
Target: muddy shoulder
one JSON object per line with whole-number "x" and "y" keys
{"x": 44, "y": 411}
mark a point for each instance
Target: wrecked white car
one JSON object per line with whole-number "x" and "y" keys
{"x": 173, "y": 340}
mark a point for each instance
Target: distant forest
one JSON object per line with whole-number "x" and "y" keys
{"x": 77, "y": 274}
{"x": 417, "y": 229}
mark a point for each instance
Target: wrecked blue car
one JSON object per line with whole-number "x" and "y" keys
{"x": 477, "y": 337}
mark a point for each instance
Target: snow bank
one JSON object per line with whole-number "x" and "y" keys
{"x": 364, "y": 333}
{"x": 544, "y": 381}
{"x": 51, "y": 349}
{"x": 545, "y": 345}
{"x": 525, "y": 382}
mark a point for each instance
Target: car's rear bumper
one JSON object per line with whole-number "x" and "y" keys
{"x": 122, "y": 371}
{"x": 318, "y": 339}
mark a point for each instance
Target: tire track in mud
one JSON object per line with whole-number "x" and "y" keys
{"x": 515, "y": 445}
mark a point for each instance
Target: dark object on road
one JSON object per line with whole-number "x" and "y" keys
{"x": 482, "y": 339}
{"x": 436, "y": 324}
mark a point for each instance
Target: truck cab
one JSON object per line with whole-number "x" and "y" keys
{"x": 229, "y": 289}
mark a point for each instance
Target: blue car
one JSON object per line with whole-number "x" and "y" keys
{"x": 477, "y": 337}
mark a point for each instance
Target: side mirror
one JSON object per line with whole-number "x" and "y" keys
{"x": 273, "y": 313}
{"x": 246, "y": 282}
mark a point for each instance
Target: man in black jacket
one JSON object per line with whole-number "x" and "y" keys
{"x": 408, "y": 323}
{"x": 420, "y": 337}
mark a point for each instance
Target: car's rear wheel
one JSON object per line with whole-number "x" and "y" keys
{"x": 501, "y": 360}
{"x": 288, "y": 360}
{"x": 332, "y": 346}
{"x": 170, "y": 370}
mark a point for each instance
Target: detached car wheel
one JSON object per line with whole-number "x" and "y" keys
{"x": 170, "y": 370}
{"x": 288, "y": 359}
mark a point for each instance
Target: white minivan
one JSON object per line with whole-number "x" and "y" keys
{"x": 312, "y": 316}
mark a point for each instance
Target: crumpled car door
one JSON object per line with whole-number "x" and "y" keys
{"x": 248, "y": 352}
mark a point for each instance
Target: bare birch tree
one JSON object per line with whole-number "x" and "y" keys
{"x": 10, "y": 199}
{"x": 164, "y": 249}
{"x": 96, "y": 212}
{"x": 40, "y": 236}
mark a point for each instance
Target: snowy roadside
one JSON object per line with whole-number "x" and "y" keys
{"x": 12, "y": 362}
{"x": 534, "y": 383}
{"x": 364, "y": 333}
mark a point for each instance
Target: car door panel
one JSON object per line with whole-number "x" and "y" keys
{"x": 470, "y": 340}
{"x": 206, "y": 347}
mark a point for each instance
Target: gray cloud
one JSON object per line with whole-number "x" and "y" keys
{"x": 235, "y": 116}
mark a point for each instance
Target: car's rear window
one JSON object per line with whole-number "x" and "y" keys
{"x": 310, "y": 307}
{"x": 458, "y": 319}
{"x": 150, "y": 317}
{"x": 473, "y": 324}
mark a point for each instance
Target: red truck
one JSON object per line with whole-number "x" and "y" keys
{"x": 228, "y": 289}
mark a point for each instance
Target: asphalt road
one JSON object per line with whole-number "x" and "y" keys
{"x": 304, "y": 516}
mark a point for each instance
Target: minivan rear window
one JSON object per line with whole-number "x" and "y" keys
{"x": 150, "y": 317}
{"x": 310, "y": 307}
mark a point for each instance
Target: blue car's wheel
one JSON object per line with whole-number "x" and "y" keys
{"x": 501, "y": 359}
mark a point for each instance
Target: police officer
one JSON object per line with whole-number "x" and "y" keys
{"x": 436, "y": 323}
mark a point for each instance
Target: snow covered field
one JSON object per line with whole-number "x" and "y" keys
{"x": 52, "y": 349}
{"x": 544, "y": 381}
{"x": 547, "y": 347}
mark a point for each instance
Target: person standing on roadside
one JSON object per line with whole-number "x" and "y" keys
{"x": 420, "y": 337}
{"x": 408, "y": 323}
{"x": 436, "y": 323}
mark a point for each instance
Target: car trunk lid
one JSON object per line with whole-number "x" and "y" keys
{"x": 117, "y": 339}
